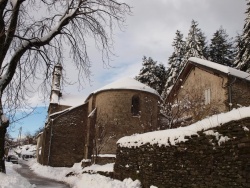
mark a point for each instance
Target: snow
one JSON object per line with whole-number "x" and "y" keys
{"x": 245, "y": 128}
{"x": 107, "y": 155}
{"x": 4, "y": 118}
{"x": 26, "y": 150}
{"x": 71, "y": 100}
{"x": 66, "y": 110}
{"x": 92, "y": 113}
{"x": 83, "y": 180}
{"x": 174, "y": 136}
{"x": 103, "y": 168}
{"x": 78, "y": 180}
{"x": 127, "y": 83}
{"x": 12, "y": 179}
{"x": 222, "y": 68}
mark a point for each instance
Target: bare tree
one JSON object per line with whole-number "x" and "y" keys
{"x": 188, "y": 108}
{"x": 33, "y": 36}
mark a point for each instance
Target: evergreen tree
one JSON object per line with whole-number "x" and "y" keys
{"x": 195, "y": 43}
{"x": 175, "y": 62}
{"x": 242, "y": 61}
{"x": 221, "y": 49}
{"x": 152, "y": 74}
{"x": 161, "y": 74}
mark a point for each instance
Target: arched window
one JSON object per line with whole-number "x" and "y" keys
{"x": 135, "y": 107}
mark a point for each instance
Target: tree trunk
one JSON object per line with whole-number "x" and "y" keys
{"x": 4, "y": 123}
{"x": 3, "y": 129}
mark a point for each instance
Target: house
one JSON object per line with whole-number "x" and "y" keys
{"x": 91, "y": 127}
{"x": 205, "y": 88}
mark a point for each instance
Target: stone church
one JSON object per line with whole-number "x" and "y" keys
{"x": 92, "y": 127}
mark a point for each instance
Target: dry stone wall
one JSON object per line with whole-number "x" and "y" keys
{"x": 218, "y": 157}
{"x": 64, "y": 138}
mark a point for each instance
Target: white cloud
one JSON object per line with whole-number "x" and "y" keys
{"x": 150, "y": 32}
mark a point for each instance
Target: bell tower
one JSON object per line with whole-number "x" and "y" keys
{"x": 55, "y": 90}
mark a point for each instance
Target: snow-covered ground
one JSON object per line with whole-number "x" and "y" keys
{"x": 83, "y": 180}
{"x": 12, "y": 179}
{"x": 78, "y": 180}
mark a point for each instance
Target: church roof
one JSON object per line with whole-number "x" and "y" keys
{"x": 127, "y": 83}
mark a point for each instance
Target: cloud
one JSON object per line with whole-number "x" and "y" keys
{"x": 150, "y": 31}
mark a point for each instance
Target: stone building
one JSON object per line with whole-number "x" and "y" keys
{"x": 204, "y": 88}
{"x": 91, "y": 127}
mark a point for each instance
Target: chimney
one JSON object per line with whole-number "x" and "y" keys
{"x": 55, "y": 91}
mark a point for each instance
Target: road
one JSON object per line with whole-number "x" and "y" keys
{"x": 40, "y": 182}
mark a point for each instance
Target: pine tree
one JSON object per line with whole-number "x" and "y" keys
{"x": 175, "y": 62}
{"x": 152, "y": 74}
{"x": 195, "y": 43}
{"x": 242, "y": 61}
{"x": 161, "y": 74}
{"x": 221, "y": 49}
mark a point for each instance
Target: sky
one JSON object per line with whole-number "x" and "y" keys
{"x": 149, "y": 31}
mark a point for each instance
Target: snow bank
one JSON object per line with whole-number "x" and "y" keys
{"x": 12, "y": 179}
{"x": 87, "y": 181}
{"x": 82, "y": 180}
{"x": 174, "y": 136}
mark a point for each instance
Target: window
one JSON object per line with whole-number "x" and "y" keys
{"x": 135, "y": 107}
{"x": 207, "y": 96}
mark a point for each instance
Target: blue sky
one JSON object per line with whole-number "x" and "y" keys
{"x": 149, "y": 31}
{"x": 30, "y": 124}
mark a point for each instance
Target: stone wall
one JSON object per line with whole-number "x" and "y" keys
{"x": 202, "y": 161}
{"x": 240, "y": 93}
{"x": 116, "y": 120}
{"x": 64, "y": 138}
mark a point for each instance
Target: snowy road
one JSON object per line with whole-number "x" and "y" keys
{"x": 39, "y": 182}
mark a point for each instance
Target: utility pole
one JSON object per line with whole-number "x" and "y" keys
{"x": 19, "y": 136}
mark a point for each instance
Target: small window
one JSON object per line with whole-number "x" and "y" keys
{"x": 207, "y": 96}
{"x": 135, "y": 107}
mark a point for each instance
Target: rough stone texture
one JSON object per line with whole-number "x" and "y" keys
{"x": 94, "y": 128}
{"x": 113, "y": 114}
{"x": 226, "y": 92}
{"x": 195, "y": 85}
{"x": 199, "y": 162}
{"x": 56, "y": 108}
{"x": 64, "y": 138}
{"x": 240, "y": 93}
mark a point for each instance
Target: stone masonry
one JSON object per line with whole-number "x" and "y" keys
{"x": 202, "y": 161}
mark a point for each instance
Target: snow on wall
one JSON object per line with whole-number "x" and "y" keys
{"x": 174, "y": 136}
{"x": 222, "y": 68}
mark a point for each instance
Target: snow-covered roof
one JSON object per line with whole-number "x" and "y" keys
{"x": 67, "y": 109}
{"x": 127, "y": 83}
{"x": 174, "y": 136}
{"x": 71, "y": 100}
{"x": 221, "y": 68}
